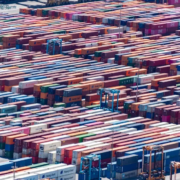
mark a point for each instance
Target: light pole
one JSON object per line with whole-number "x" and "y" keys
{"x": 14, "y": 167}
{"x": 137, "y": 81}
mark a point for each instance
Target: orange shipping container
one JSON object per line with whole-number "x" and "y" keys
{"x": 77, "y": 134}
{"x": 75, "y": 80}
{"x": 44, "y": 95}
{"x": 72, "y": 99}
{"x": 87, "y": 152}
{"x": 7, "y": 88}
{"x": 135, "y": 106}
{"x": 37, "y": 87}
{"x": 10, "y": 139}
{"x": 89, "y": 50}
{"x": 36, "y": 42}
{"x": 10, "y": 38}
{"x": 85, "y": 87}
{"x": 68, "y": 152}
{"x": 96, "y": 85}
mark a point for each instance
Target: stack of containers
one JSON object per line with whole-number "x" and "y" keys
{"x": 45, "y": 148}
{"x": 9, "y": 145}
{"x": 9, "y": 41}
{"x": 51, "y": 94}
{"x": 126, "y": 167}
{"x": 72, "y": 97}
{"x": 44, "y": 93}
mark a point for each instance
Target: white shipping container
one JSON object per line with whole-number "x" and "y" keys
{"x": 175, "y": 98}
{"x": 151, "y": 108}
{"x": 44, "y": 168}
{"x": 49, "y": 146}
{"x": 111, "y": 122}
{"x": 27, "y": 177}
{"x": 94, "y": 111}
{"x": 60, "y": 137}
{"x": 45, "y": 121}
{"x": 115, "y": 30}
{"x": 84, "y": 143}
{"x": 93, "y": 143}
{"x": 128, "y": 130}
{"x": 134, "y": 119}
{"x": 37, "y": 128}
{"x": 60, "y": 130}
{"x": 117, "y": 125}
{"x": 15, "y": 89}
{"x": 178, "y": 103}
{"x": 145, "y": 79}
{"x": 158, "y": 124}
{"x": 15, "y": 121}
{"x": 136, "y": 132}
{"x": 103, "y": 131}
{"x": 27, "y": 84}
{"x": 3, "y": 160}
{"x": 174, "y": 131}
{"x": 43, "y": 154}
{"x": 101, "y": 139}
{"x": 45, "y": 80}
{"x": 4, "y": 132}
{"x": 11, "y": 175}
{"x": 93, "y": 114}
{"x": 169, "y": 126}
{"x": 60, "y": 151}
{"x": 17, "y": 155}
{"x": 177, "y": 126}
{"x": 52, "y": 173}
{"x": 94, "y": 130}
{"x": 26, "y": 151}
{"x": 2, "y": 122}
{"x": 52, "y": 157}
{"x": 2, "y": 152}
{"x": 78, "y": 127}
{"x": 111, "y": 60}
{"x": 97, "y": 78}
{"x": 67, "y": 177}
{"x": 77, "y": 153}
{"x": 63, "y": 171}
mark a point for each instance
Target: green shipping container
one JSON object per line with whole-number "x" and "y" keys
{"x": 2, "y": 145}
{"x": 44, "y": 89}
{"x": 93, "y": 106}
{"x": 38, "y": 165}
{"x": 126, "y": 80}
{"x": 43, "y": 101}
{"x": 59, "y": 105}
{"x": 81, "y": 137}
{"x": 9, "y": 154}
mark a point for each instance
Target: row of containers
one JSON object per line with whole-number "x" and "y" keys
{"x": 30, "y": 32}
{"x": 145, "y": 18}
{"x": 119, "y": 142}
{"x": 50, "y": 112}
{"x": 44, "y": 171}
{"x": 65, "y": 81}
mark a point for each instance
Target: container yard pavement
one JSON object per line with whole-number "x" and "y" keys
{"x": 26, "y": 4}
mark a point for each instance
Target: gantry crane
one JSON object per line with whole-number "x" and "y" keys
{"x": 87, "y": 167}
{"x": 106, "y": 92}
{"x": 153, "y": 175}
{"x": 52, "y": 43}
{"x": 175, "y": 165}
